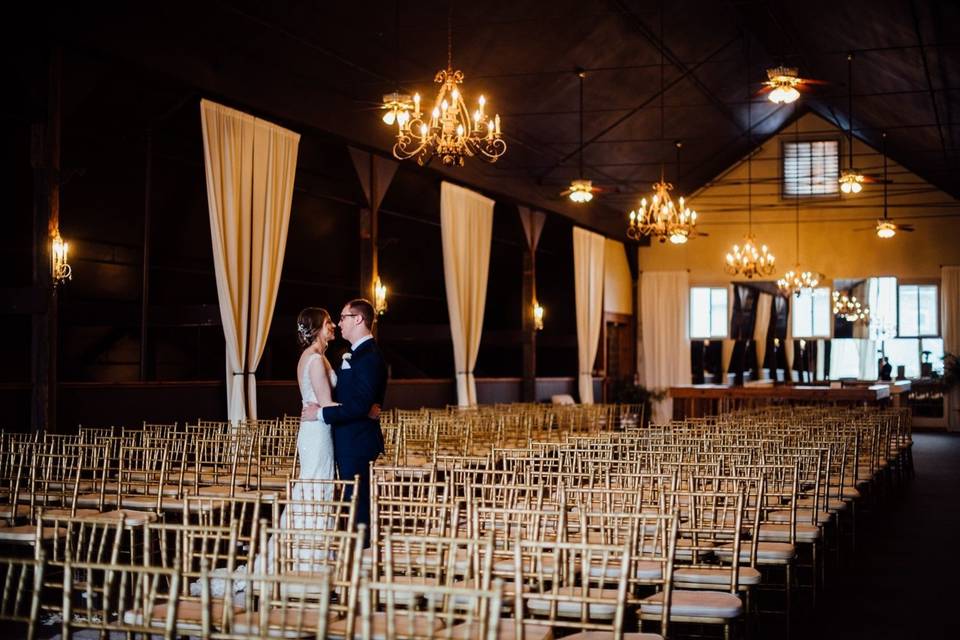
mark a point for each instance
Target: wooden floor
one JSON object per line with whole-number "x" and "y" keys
{"x": 903, "y": 580}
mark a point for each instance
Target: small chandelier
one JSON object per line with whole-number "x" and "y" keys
{"x": 796, "y": 280}
{"x": 784, "y": 82}
{"x": 851, "y": 180}
{"x": 849, "y": 308}
{"x": 449, "y": 131}
{"x": 662, "y": 219}
{"x": 59, "y": 267}
{"x": 749, "y": 261}
{"x": 886, "y": 229}
{"x": 379, "y": 297}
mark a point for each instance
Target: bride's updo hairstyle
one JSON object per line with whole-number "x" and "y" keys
{"x": 310, "y": 325}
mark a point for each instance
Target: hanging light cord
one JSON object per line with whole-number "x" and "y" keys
{"x": 750, "y": 145}
{"x": 850, "y": 108}
{"x": 581, "y": 73}
{"x": 450, "y": 37}
{"x": 796, "y": 196}
{"x": 883, "y": 146}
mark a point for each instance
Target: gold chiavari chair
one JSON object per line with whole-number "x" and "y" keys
{"x": 123, "y": 599}
{"x": 21, "y": 584}
{"x": 324, "y": 502}
{"x": 428, "y": 611}
{"x": 305, "y": 553}
{"x": 569, "y": 585}
{"x": 708, "y": 520}
{"x": 77, "y": 539}
{"x": 187, "y": 549}
{"x": 287, "y": 606}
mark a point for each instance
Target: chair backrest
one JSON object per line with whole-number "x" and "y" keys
{"x": 570, "y": 585}
{"x": 415, "y": 611}
{"x": 21, "y": 583}
{"x": 120, "y": 598}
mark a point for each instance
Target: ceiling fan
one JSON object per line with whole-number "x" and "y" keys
{"x": 581, "y": 190}
{"x": 886, "y": 227}
{"x": 783, "y": 84}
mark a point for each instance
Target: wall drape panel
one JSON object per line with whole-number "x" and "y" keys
{"x": 466, "y": 227}
{"x": 664, "y": 312}
{"x": 761, "y": 324}
{"x": 950, "y": 330}
{"x": 588, "y": 251}
{"x": 250, "y": 169}
{"x": 727, "y": 345}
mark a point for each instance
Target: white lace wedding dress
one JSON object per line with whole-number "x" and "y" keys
{"x": 315, "y": 448}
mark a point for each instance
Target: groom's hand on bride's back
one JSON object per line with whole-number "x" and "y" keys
{"x": 310, "y": 412}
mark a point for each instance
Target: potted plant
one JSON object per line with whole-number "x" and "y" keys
{"x": 625, "y": 391}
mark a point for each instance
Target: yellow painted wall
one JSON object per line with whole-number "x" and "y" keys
{"x": 617, "y": 283}
{"x": 828, "y": 242}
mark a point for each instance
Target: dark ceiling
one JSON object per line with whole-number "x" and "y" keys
{"x": 324, "y": 65}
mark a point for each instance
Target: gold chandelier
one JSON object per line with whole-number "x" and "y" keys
{"x": 662, "y": 219}
{"x": 798, "y": 279}
{"x": 449, "y": 130}
{"x": 849, "y": 308}
{"x": 748, "y": 261}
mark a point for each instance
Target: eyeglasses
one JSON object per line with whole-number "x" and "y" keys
{"x": 346, "y": 315}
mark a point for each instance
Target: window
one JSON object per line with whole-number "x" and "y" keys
{"x": 708, "y": 312}
{"x": 811, "y": 168}
{"x": 812, "y": 313}
{"x": 917, "y": 307}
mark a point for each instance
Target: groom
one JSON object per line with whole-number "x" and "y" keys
{"x": 361, "y": 384}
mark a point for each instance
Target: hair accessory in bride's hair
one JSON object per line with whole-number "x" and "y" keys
{"x": 303, "y": 331}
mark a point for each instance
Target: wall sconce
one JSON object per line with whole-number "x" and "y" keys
{"x": 60, "y": 268}
{"x": 803, "y": 344}
{"x": 776, "y": 343}
{"x": 537, "y": 316}
{"x": 379, "y": 297}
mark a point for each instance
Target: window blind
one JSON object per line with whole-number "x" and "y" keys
{"x": 811, "y": 168}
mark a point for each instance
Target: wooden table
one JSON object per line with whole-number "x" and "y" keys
{"x": 695, "y": 400}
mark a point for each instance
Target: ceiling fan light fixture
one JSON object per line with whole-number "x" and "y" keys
{"x": 886, "y": 230}
{"x": 784, "y": 81}
{"x": 581, "y": 191}
{"x": 851, "y": 181}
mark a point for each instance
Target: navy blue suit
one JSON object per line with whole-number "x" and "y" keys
{"x": 357, "y": 439}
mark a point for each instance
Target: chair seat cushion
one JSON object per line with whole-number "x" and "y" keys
{"x": 715, "y": 576}
{"x": 771, "y": 532}
{"x": 570, "y": 609}
{"x": 420, "y": 626}
{"x": 767, "y": 552}
{"x": 608, "y": 635}
{"x": 189, "y": 614}
{"x": 506, "y": 630}
{"x": 27, "y": 534}
{"x": 281, "y": 623}
{"x": 130, "y": 517}
{"x": 685, "y": 603}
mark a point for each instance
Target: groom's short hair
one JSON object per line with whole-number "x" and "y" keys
{"x": 363, "y": 307}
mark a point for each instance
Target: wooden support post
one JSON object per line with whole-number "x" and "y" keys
{"x": 45, "y": 158}
{"x": 529, "y": 332}
{"x": 145, "y": 269}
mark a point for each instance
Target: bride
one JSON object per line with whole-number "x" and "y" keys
{"x": 317, "y": 379}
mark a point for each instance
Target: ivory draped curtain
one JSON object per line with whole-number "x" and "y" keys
{"x": 664, "y": 313}
{"x": 760, "y": 326}
{"x": 250, "y": 167}
{"x": 950, "y": 330}
{"x": 588, "y": 275}
{"x": 727, "y": 344}
{"x": 466, "y": 228}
